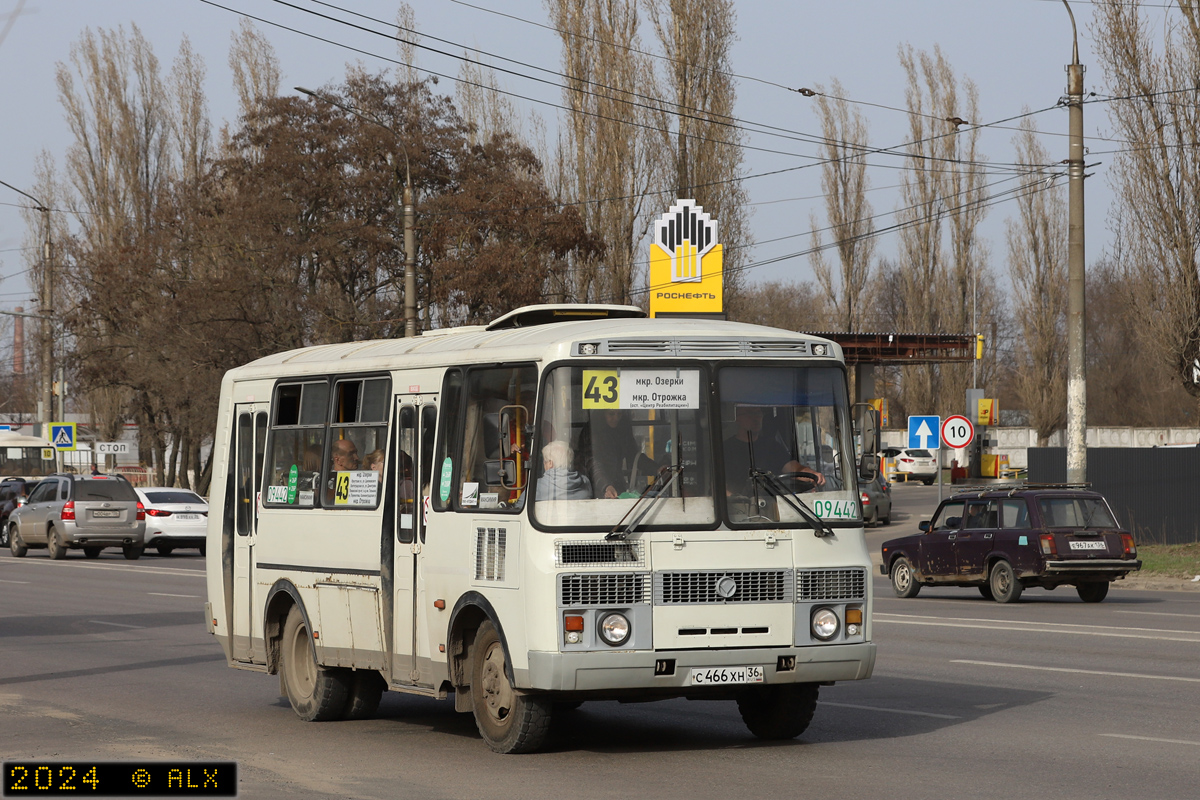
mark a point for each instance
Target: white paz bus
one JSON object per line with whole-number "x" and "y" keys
{"x": 572, "y": 503}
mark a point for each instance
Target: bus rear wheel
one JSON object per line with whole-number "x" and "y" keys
{"x": 510, "y": 722}
{"x": 316, "y": 693}
{"x": 366, "y": 690}
{"x": 779, "y": 712}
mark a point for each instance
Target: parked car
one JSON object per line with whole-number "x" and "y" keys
{"x": 13, "y": 492}
{"x": 1005, "y": 541}
{"x": 877, "y": 501}
{"x": 913, "y": 464}
{"x": 174, "y": 518}
{"x": 88, "y": 512}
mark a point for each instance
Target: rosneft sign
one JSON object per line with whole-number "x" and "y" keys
{"x": 685, "y": 263}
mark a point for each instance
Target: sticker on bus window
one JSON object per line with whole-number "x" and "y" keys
{"x": 304, "y": 498}
{"x": 293, "y": 477}
{"x": 447, "y": 471}
{"x": 641, "y": 389}
{"x": 47, "y": 454}
{"x": 470, "y": 494}
{"x": 356, "y": 488}
{"x": 489, "y": 500}
{"x": 277, "y": 494}
{"x": 14, "y": 452}
{"x": 835, "y": 509}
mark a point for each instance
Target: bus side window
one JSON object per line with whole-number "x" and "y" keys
{"x": 402, "y": 476}
{"x": 443, "y": 464}
{"x": 297, "y": 445}
{"x": 493, "y": 472}
{"x": 428, "y": 428}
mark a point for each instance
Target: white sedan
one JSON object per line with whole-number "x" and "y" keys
{"x": 174, "y": 518}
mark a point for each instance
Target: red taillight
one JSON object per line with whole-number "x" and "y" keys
{"x": 157, "y": 512}
{"x": 1048, "y": 546}
{"x": 141, "y": 512}
{"x": 866, "y": 500}
{"x": 1128, "y": 543}
{"x": 906, "y": 461}
{"x": 68, "y": 510}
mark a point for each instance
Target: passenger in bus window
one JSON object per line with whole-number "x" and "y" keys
{"x": 344, "y": 456}
{"x": 747, "y": 450}
{"x": 561, "y": 481}
{"x": 612, "y": 456}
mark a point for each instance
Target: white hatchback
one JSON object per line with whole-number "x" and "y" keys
{"x": 174, "y": 518}
{"x": 915, "y": 464}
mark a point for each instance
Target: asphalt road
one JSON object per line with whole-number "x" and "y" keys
{"x": 1050, "y": 697}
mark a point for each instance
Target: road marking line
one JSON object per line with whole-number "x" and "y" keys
{"x": 164, "y": 594}
{"x": 3, "y": 581}
{"x": 142, "y": 570}
{"x": 1077, "y": 671}
{"x": 1160, "y": 614}
{"x": 1148, "y": 738}
{"x": 1057, "y": 632}
{"x": 1033, "y": 622}
{"x": 888, "y": 710}
{"x": 1060, "y": 630}
{"x": 116, "y": 624}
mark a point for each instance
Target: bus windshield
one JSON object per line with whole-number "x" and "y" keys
{"x": 793, "y": 423}
{"x": 605, "y": 434}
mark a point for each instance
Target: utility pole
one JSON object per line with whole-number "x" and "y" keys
{"x": 46, "y": 312}
{"x": 409, "y": 213}
{"x": 1076, "y": 307}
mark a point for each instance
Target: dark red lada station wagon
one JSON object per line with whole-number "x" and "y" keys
{"x": 1004, "y": 541}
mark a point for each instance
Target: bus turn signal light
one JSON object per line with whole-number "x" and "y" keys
{"x": 573, "y": 623}
{"x": 854, "y": 616}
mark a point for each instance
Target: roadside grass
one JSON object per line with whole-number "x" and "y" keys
{"x": 1170, "y": 560}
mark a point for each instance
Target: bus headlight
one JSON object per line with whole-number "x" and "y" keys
{"x": 824, "y": 624}
{"x": 614, "y": 629}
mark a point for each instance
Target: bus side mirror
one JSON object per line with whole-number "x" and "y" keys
{"x": 868, "y": 467}
{"x": 866, "y": 422}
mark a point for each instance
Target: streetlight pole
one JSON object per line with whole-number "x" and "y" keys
{"x": 409, "y": 214}
{"x": 45, "y": 312}
{"x": 1076, "y": 303}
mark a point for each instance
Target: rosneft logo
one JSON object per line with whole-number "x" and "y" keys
{"x": 686, "y": 234}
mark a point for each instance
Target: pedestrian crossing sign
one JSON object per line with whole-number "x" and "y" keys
{"x": 62, "y": 435}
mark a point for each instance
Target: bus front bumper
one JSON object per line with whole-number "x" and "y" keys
{"x": 635, "y": 669}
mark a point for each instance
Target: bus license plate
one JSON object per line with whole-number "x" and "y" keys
{"x": 715, "y": 676}
{"x": 106, "y": 513}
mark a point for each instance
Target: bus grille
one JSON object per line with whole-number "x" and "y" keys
{"x": 831, "y": 584}
{"x": 599, "y": 554}
{"x": 748, "y": 586}
{"x": 600, "y": 589}
{"x": 489, "y": 553}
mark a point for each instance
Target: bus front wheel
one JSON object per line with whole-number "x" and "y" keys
{"x": 779, "y": 712}
{"x": 510, "y": 722}
{"x": 316, "y": 693}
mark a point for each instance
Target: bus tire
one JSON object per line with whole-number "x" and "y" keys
{"x": 779, "y": 712}
{"x": 316, "y": 693}
{"x": 508, "y": 721}
{"x": 16, "y": 545}
{"x": 366, "y": 690}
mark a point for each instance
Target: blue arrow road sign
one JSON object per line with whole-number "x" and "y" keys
{"x": 925, "y": 432}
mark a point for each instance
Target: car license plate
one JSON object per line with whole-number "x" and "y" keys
{"x": 706, "y": 676}
{"x": 187, "y": 516}
{"x": 106, "y": 513}
{"x": 1089, "y": 545}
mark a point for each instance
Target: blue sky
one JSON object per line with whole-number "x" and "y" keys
{"x": 1014, "y": 50}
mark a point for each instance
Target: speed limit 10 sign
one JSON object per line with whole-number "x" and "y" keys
{"x": 957, "y": 431}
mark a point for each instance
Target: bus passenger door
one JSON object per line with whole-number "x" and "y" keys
{"x": 417, "y": 418}
{"x": 249, "y": 447}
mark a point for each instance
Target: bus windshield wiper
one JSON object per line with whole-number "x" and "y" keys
{"x": 773, "y": 484}
{"x": 672, "y": 470}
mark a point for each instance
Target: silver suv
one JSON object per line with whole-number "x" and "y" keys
{"x": 88, "y": 512}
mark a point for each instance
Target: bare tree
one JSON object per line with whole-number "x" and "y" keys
{"x": 1037, "y": 263}
{"x": 845, "y": 184}
{"x": 1153, "y": 73}
{"x": 943, "y": 197}
{"x": 609, "y": 156}
{"x": 255, "y": 67}
{"x": 704, "y": 144}
{"x": 791, "y": 305}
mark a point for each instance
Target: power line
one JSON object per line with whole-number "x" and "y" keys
{"x": 791, "y": 135}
